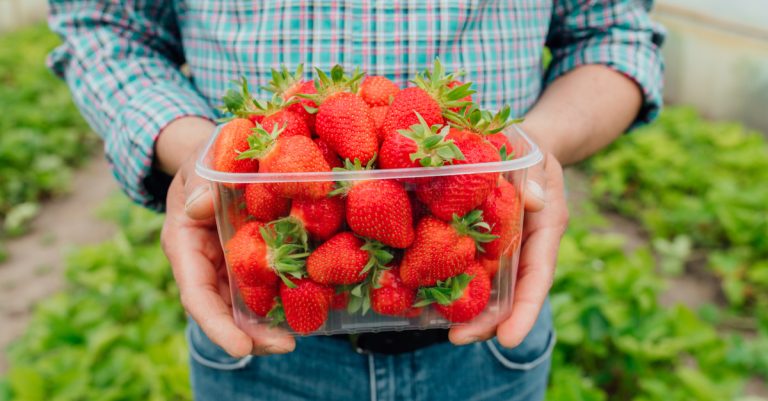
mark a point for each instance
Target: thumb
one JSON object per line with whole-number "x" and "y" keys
{"x": 199, "y": 196}
{"x": 535, "y": 186}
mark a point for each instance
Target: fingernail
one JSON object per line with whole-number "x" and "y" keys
{"x": 536, "y": 190}
{"x": 195, "y": 195}
{"x": 467, "y": 340}
{"x": 276, "y": 349}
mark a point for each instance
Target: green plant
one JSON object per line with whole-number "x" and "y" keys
{"x": 115, "y": 333}
{"x": 690, "y": 178}
{"x": 42, "y": 135}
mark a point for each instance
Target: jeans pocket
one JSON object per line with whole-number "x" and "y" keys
{"x": 203, "y": 351}
{"x": 526, "y": 356}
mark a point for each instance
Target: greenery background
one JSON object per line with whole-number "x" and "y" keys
{"x": 694, "y": 188}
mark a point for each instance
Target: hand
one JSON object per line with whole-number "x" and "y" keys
{"x": 191, "y": 242}
{"x": 545, "y": 221}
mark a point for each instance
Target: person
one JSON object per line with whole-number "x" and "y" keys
{"x": 123, "y": 62}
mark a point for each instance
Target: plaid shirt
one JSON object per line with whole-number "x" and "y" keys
{"x": 122, "y": 59}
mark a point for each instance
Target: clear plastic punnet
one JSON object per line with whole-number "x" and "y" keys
{"x": 304, "y": 267}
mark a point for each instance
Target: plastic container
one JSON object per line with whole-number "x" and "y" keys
{"x": 231, "y": 217}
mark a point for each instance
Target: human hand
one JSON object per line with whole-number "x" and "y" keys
{"x": 546, "y": 217}
{"x": 190, "y": 240}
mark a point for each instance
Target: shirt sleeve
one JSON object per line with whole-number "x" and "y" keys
{"x": 122, "y": 63}
{"x": 615, "y": 33}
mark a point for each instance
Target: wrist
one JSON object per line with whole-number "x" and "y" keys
{"x": 180, "y": 140}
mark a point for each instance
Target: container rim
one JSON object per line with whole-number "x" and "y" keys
{"x": 533, "y": 157}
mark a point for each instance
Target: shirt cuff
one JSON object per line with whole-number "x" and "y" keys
{"x": 640, "y": 61}
{"x": 131, "y": 151}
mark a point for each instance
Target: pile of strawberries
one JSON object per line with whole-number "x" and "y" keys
{"x": 391, "y": 246}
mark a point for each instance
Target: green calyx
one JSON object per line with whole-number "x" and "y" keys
{"x": 506, "y": 154}
{"x": 433, "y": 150}
{"x": 288, "y": 245}
{"x": 342, "y": 187}
{"x": 471, "y": 225}
{"x": 483, "y": 122}
{"x": 444, "y": 292}
{"x": 260, "y": 142}
{"x": 328, "y": 85}
{"x": 283, "y": 80}
{"x": 436, "y": 82}
{"x": 239, "y": 102}
{"x": 360, "y": 294}
{"x": 277, "y": 313}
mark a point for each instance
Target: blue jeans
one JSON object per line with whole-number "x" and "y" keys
{"x": 324, "y": 368}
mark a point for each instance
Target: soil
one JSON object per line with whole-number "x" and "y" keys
{"x": 35, "y": 266}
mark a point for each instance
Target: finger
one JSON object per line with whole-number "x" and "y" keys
{"x": 478, "y": 330}
{"x": 197, "y": 194}
{"x": 535, "y": 186}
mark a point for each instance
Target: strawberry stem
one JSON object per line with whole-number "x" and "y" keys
{"x": 239, "y": 103}
{"x": 470, "y": 225}
{"x": 360, "y": 294}
{"x": 342, "y": 187}
{"x": 436, "y": 83}
{"x": 288, "y": 245}
{"x": 444, "y": 292}
{"x": 261, "y": 142}
{"x": 283, "y": 80}
{"x": 483, "y": 122}
{"x": 327, "y": 85}
{"x": 277, "y": 313}
{"x": 433, "y": 150}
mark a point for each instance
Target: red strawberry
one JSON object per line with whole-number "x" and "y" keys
{"x": 345, "y": 259}
{"x": 321, "y": 218}
{"x": 291, "y": 154}
{"x": 233, "y": 139}
{"x": 328, "y": 154}
{"x": 378, "y": 90}
{"x": 260, "y": 298}
{"x": 293, "y": 123}
{"x": 502, "y": 210}
{"x": 259, "y": 252}
{"x": 458, "y": 194}
{"x": 473, "y": 299}
{"x": 378, "y": 209}
{"x": 343, "y": 119}
{"x": 340, "y": 300}
{"x": 419, "y": 146}
{"x": 389, "y": 296}
{"x": 305, "y": 305}
{"x": 263, "y": 205}
{"x": 430, "y": 98}
{"x": 491, "y": 266}
{"x": 288, "y": 85}
{"x": 379, "y": 113}
{"x": 441, "y": 250}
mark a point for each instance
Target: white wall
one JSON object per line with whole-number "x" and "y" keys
{"x": 717, "y": 57}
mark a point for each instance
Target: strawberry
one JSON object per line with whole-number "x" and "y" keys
{"x": 419, "y": 146}
{"x": 458, "y": 194}
{"x": 263, "y": 205}
{"x": 321, "y": 218}
{"x": 441, "y": 250}
{"x": 259, "y": 253}
{"x": 430, "y": 98}
{"x": 490, "y": 126}
{"x": 260, "y": 299}
{"x": 304, "y": 306}
{"x": 377, "y": 91}
{"x": 502, "y": 210}
{"x": 328, "y": 154}
{"x": 345, "y": 259}
{"x": 291, "y": 154}
{"x": 379, "y": 113}
{"x": 288, "y": 85}
{"x": 390, "y": 296}
{"x": 233, "y": 139}
{"x": 474, "y": 298}
{"x": 237, "y": 211}
{"x": 378, "y": 209}
{"x": 343, "y": 119}
{"x": 491, "y": 266}
{"x": 340, "y": 300}
{"x": 293, "y": 123}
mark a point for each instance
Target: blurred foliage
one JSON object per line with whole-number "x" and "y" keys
{"x": 687, "y": 179}
{"x": 42, "y": 135}
{"x": 115, "y": 333}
